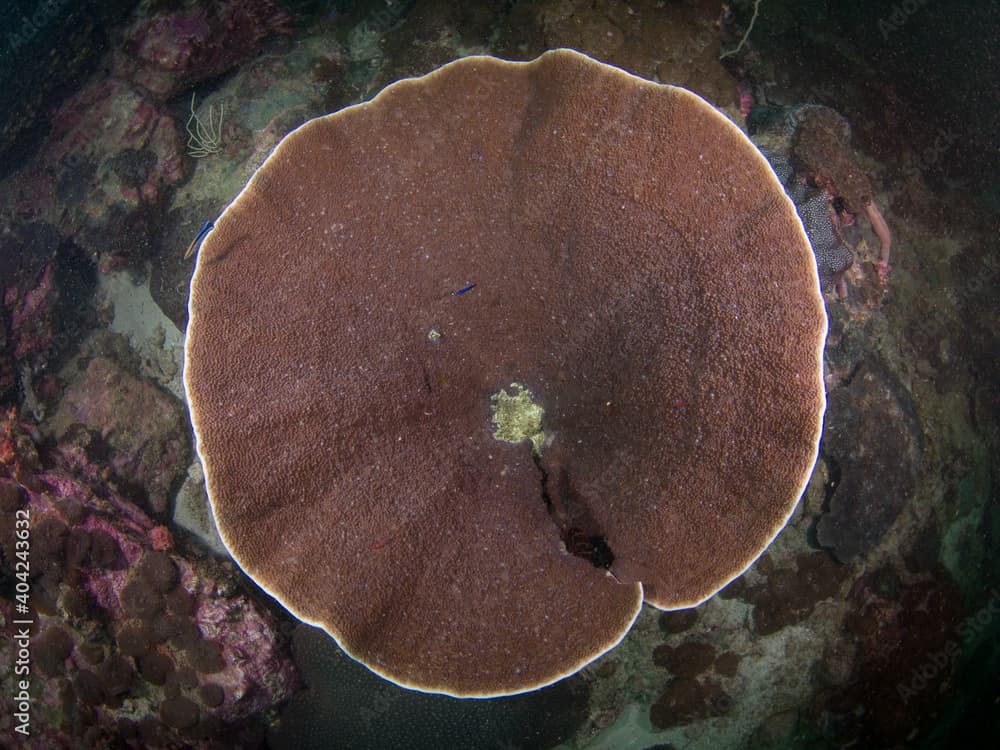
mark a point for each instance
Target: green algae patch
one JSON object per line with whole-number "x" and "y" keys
{"x": 517, "y": 417}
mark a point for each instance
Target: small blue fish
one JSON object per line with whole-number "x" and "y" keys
{"x": 464, "y": 289}
{"x": 207, "y": 227}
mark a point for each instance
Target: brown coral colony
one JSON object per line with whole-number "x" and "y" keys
{"x": 522, "y": 337}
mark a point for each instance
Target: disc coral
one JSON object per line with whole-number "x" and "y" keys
{"x": 615, "y": 247}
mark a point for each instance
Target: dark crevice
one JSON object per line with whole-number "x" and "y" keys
{"x": 545, "y": 481}
{"x": 829, "y": 489}
{"x": 580, "y": 540}
{"x": 832, "y": 482}
{"x": 846, "y": 381}
{"x": 591, "y": 547}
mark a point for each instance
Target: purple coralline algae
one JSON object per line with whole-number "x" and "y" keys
{"x": 30, "y": 317}
{"x": 135, "y": 641}
{"x": 28, "y": 298}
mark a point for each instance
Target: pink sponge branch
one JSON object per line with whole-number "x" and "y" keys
{"x": 881, "y": 229}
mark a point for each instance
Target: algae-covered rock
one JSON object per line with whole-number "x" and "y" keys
{"x": 873, "y": 444}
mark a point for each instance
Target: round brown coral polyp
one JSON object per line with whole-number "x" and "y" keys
{"x": 479, "y": 365}
{"x": 134, "y": 638}
{"x": 156, "y": 667}
{"x": 179, "y": 712}
{"x": 139, "y": 600}
{"x": 89, "y": 688}
{"x": 104, "y": 550}
{"x": 51, "y": 649}
{"x": 158, "y": 571}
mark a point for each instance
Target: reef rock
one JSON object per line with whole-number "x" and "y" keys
{"x": 141, "y": 428}
{"x": 821, "y": 148}
{"x": 111, "y": 155}
{"x": 873, "y": 445}
{"x": 168, "y": 52}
